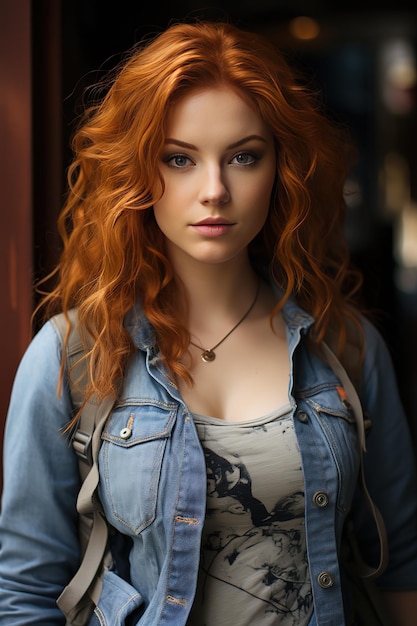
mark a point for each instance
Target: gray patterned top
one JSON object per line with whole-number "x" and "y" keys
{"x": 253, "y": 567}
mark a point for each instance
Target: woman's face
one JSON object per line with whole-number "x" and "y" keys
{"x": 219, "y": 167}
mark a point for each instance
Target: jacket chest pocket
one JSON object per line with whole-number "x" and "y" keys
{"x": 339, "y": 427}
{"x": 131, "y": 457}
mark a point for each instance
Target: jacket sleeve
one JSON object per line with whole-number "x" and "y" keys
{"x": 390, "y": 468}
{"x": 39, "y": 549}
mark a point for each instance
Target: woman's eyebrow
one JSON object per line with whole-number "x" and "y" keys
{"x": 182, "y": 144}
{"x": 245, "y": 140}
{"x": 236, "y": 144}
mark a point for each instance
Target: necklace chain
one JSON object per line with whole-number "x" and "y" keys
{"x": 207, "y": 356}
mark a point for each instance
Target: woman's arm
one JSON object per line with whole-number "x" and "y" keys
{"x": 38, "y": 522}
{"x": 390, "y": 470}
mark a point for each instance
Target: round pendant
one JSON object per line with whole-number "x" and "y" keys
{"x": 207, "y": 356}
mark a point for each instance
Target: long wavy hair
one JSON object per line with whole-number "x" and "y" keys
{"x": 113, "y": 251}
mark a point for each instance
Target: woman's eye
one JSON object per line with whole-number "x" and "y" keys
{"x": 178, "y": 160}
{"x": 244, "y": 158}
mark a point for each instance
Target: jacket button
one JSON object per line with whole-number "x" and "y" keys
{"x": 125, "y": 433}
{"x": 321, "y": 499}
{"x": 325, "y": 580}
{"x": 302, "y": 417}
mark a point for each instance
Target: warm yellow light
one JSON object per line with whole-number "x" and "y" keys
{"x": 402, "y": 75}
{"x": 303, "y": 27}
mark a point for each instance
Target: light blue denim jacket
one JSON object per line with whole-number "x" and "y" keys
{"x": 152, "y": 483}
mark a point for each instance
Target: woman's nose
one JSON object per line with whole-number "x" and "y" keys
{"x": 213, "y": 187}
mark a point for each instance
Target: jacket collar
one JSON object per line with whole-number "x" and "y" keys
{"x": 143, "y": 334}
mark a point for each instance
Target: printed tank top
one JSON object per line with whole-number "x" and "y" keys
{"x": 253, "y": 567}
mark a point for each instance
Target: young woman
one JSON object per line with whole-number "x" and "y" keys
{"x": 203, "y": 250}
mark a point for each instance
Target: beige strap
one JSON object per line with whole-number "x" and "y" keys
{"x": 86, "y": 443}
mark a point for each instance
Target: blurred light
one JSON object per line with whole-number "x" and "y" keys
{"x": 396, "y": 182}
{"x": 352, "y": 193}
{"x": 399, "y": 76}
{"x": 406, "y": 237}
{"x": 402, "y": 75}
{"x": 303, "y": 27}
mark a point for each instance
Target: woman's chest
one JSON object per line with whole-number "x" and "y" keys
{"x": 248, "y": 378}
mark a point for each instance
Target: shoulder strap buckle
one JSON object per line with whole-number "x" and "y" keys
{"x": 81, "y": 442}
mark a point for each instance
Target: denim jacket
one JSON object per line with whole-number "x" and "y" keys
{"x": 153, "y": 483}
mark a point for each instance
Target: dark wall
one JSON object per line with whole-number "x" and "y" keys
{"x": 15, "y": 193}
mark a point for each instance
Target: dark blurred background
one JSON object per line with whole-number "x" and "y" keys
{"x": 362, "y": 56}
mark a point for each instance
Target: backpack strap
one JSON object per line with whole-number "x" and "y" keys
{"x": 81, "y": 437}
{"x": 367, "y": 571}
{"x": 82, "y": 592}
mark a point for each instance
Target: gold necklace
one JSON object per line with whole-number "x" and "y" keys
{"x": 207, "y": 356}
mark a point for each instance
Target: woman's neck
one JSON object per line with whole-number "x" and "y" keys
{"x": 217, "y": 295}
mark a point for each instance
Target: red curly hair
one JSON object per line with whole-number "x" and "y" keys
{"x": 113, "y": 251}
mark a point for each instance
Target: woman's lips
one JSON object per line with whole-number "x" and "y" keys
{"x": 213, "y": 227}
{"x": 212, "y": 230}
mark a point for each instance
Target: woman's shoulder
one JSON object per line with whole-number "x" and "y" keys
{"x": 35, "y": 390}
{"x": 45, "y": 343}
{"x": 40, "y": 363}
